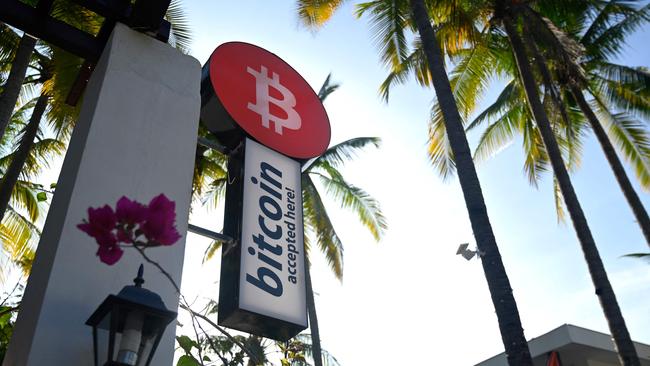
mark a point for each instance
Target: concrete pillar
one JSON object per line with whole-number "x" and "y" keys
{"x": 136, "y": 136}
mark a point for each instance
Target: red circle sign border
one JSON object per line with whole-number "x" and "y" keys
{"x": 234, "y": 64}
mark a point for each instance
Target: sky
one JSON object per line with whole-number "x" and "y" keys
{"x": 409, "y": 299}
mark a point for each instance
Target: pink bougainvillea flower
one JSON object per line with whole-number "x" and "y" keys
{"x": 125, "y": 236}
{"x": 101, "y": 221}
{"x": 130, "y": 212}
{"x": 109, "y": 254}
{"x": 161, "y": 215}
{"x": 128, "y": 223}
{"x": 107, "y": 239}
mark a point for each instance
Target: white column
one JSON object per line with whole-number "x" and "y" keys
{"x": 136, "y": 136}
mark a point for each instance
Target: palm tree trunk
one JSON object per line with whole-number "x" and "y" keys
{"x": 615, "y": 163}
{"x": 512, "y": 334}
{"x": 11, "y": 89}
{"x": 626, "y": 352}
{"x": 16, "y": 166}
{"x": 541, "y": 63}
{"x": 313, "y": 320}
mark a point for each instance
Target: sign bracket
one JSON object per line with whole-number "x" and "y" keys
{"x": 209, "y": 234}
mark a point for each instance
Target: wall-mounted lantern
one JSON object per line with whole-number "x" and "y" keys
{"x": 127, "y": 327}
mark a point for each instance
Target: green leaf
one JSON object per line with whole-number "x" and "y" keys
{"x": 186, "y": 343}
{"x": 187, "y": 360}
{"x": 41, "y": 196}
{"x": 53, "y": 185}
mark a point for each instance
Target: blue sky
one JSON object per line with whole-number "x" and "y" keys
{"x": 409, "y": 298}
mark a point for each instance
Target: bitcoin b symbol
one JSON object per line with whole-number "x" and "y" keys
{"x": 263, "y": 101}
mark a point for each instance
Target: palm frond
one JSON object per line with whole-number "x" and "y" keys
{"x": 509, "y": 96}
{"x": 315, "y": 13}
{"x": 389, "y": 20}
{"x": 470, "y": 78}
{"x": 559, "y": 201}
{"x": 9, "y": 40}
{"x": 41, "y": 155}
{"x": 630, "y": 137}
{"x": 211, "y": 250}
{"x": 327, "y": 88}
{"x": 338, "y": 154}
{"x": 328, "y": 358}
{"x": 17, "y": 122}
{"x": 209, "y": 174}
{"x": 215, "y": 193}
{"x": 626, "y": 88}
{"x": 457, "y": 25}
{"x": 439, "y": 150}
{"x": 536, "y": 158}
{"x": 415, "y": 63}
{"x": 62, "y": 117}
{"x": 18, "y": 237}
{"x": 315, "y": 216}
{"x": 355, "y": 199}
{"x": 24, "y": 196}
{"x": 571, "y": 133}
{"x": 500, "y": 133}
{"x": 181, "y": 31}
{"x": 610, "y": 41}
{"x": 644, "y": 256}
{"x": 610, "y": 13}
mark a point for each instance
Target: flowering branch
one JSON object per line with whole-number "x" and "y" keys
{"x": 135, "y": 225}
{"x": 132, "y": 224}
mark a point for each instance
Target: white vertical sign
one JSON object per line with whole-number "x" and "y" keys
{"x": 272, "y": 272}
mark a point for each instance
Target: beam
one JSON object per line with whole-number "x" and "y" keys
{"x": 109, "y": 9}
{"x": 213, "y": 145}
{"x": 58, "y": 33}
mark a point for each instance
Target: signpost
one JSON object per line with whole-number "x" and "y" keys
{"x": 263, "y": 275}
{"x": 266, "y": 113}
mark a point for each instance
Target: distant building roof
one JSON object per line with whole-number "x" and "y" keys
{"x": 576, "y": 346}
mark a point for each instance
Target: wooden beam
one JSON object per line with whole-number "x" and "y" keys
{"x": 58, "y": 33}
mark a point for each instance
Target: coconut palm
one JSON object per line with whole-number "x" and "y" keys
{"x": 604, "y": 291}
{"x": 614, "y": 85}
{"x": 18, "y": 230}
{"x": 56, "y": 72}
{"x": 20, "y": 48}
{"x": 392, "y": 21}
{"x": 318, "y": 225}
{"x": 506, "y": 19}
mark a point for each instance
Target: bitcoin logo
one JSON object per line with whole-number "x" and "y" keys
{"x": 264, "y": 100}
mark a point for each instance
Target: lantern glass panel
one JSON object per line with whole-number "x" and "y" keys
{"x": 145, "y": 348}
{"x": 128, "y": 349}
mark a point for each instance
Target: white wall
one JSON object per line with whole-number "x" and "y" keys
{"x": 136, "y": 136}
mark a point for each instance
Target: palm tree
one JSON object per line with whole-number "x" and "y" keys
{"x": 504, "y": 18}
{"x": 19, "y": 231}
{"x": 20, "y": 157}
{"x": 615, "y": 86}
{"x": 318, "y": 224}
{"x": 392, "y": 19}
{"x": 604, "y": 291}
{"x": 22, "y": 56}
{"x": 22, "y": 47}
{"x": 57, "y": 73}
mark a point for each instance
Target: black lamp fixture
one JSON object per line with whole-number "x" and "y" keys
{"x": 127, "y": 327}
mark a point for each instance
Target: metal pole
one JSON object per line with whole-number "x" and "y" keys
{"x": 208, "y": 233}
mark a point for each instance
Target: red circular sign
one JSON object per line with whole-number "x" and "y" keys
{"x": 269, "y": 100}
